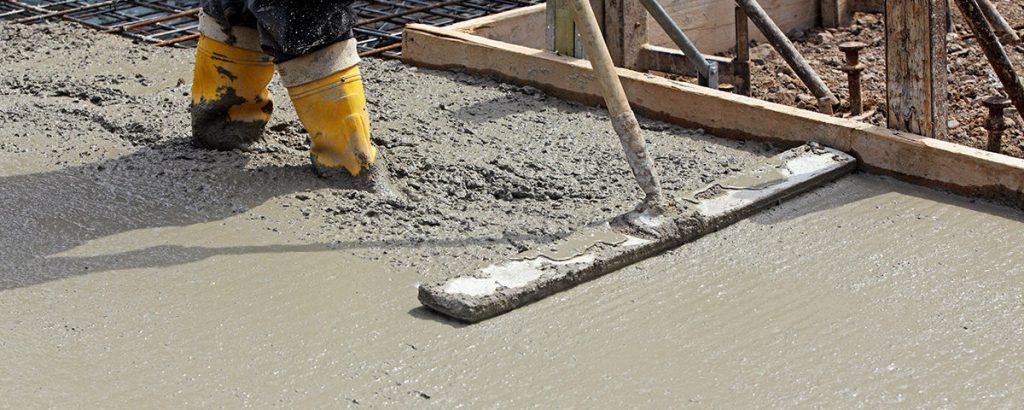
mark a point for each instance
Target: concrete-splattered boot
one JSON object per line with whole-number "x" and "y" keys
{"x": 230, "y": 101}
{"x": 327, "y": 91}
{"x": 333, "y": 110}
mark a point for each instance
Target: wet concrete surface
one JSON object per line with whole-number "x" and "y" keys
{"x": 136, "y": 268}
{"x": 489, "y": 168}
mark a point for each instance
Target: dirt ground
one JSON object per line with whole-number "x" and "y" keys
{"x": 136, "y": 268}
{"x": 970, "y": 76}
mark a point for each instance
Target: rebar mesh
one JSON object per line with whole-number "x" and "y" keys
{"x": 175, "y": 22}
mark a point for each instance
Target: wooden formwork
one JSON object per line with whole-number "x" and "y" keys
{"x": 708, "y": 23}
{"x": 479, "y": 46}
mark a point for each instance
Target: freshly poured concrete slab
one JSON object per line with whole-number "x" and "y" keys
{"x": 864, "y": 293}
{"x": 138, "y": 271}
{"x": 599, "y": 249}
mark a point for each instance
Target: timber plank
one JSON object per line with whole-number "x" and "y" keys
{"x": 915, "y": 66}
{"x": 710, "y": 23}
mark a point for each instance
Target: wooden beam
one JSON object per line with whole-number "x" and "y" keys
{"x": 741, "y": 65}
{"x": 561, "y": 30}
{"x": 708, "y": 22}
{"x": 503, "y": 20}
{"x": 913, "y": 157}
{"x": 625, "y": 31}
{"x": 915, "y": 71}
{"x": 835, "y": 13}
{"x": 867, "y": 6}
{"x": 521, "y": 26}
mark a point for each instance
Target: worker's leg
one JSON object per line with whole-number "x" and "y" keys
{"x": 333, "y": 109}
{"x": 318, "y": 64}
{"x": 230, "y": 100}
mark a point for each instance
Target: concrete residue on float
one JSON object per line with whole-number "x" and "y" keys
{"x": 784, "y": 173}
{"x": 765, "y": 176}
{"x": 527, "y": 267}
{"x": 511, "y": 274}
{"x": 577, "y": 244}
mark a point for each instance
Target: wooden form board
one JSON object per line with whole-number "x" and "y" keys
{"x": 919, "y": 159}
{"x": 867, "y": 6}
{"x": 710, "y": 23}
{"x": 624, "y": 31}
{"x": 525, "y": 26}
{"x": 836, "y": 13}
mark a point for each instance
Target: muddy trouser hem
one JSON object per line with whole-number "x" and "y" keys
{"x": 288, "y": 29}
{"x": 319, "y": 64}
{"x": 238, "y": 36}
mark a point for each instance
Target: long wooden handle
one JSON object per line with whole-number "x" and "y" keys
{"x": 623, "y": 119}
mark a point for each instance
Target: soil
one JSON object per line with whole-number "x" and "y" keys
{"x": 971, "y": 79}
{"x": 138, "y": 268}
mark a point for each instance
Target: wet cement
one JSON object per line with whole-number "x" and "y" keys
{"x": 485, "y": 292}
{"x": 136, "y": 268}
{"x": 490, "y": 168}
{"x": 576, "y": 244}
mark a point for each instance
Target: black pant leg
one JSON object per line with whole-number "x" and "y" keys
{"x": 231, "y": 12}
{"x": 293, "y": 28}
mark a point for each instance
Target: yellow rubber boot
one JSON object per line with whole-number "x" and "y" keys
{"x": 333, "y": 110}
{"x": 230, "y": 100}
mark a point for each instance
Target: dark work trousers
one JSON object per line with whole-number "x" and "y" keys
{"x": 288, "y": 28}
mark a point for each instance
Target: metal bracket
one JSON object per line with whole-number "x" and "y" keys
{"x": 559, "y": 28}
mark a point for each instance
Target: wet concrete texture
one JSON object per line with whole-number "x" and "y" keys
{"x": 489, "y": 168}
{"x": 136, "y": 268}
{"x": 482, "y": 293}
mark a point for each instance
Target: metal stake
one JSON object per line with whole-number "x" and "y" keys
{"x": 853, "y": 70}
{"x": 996, "y": 122}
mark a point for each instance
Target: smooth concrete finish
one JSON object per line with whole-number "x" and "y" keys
{"x": 868, "y": 292}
